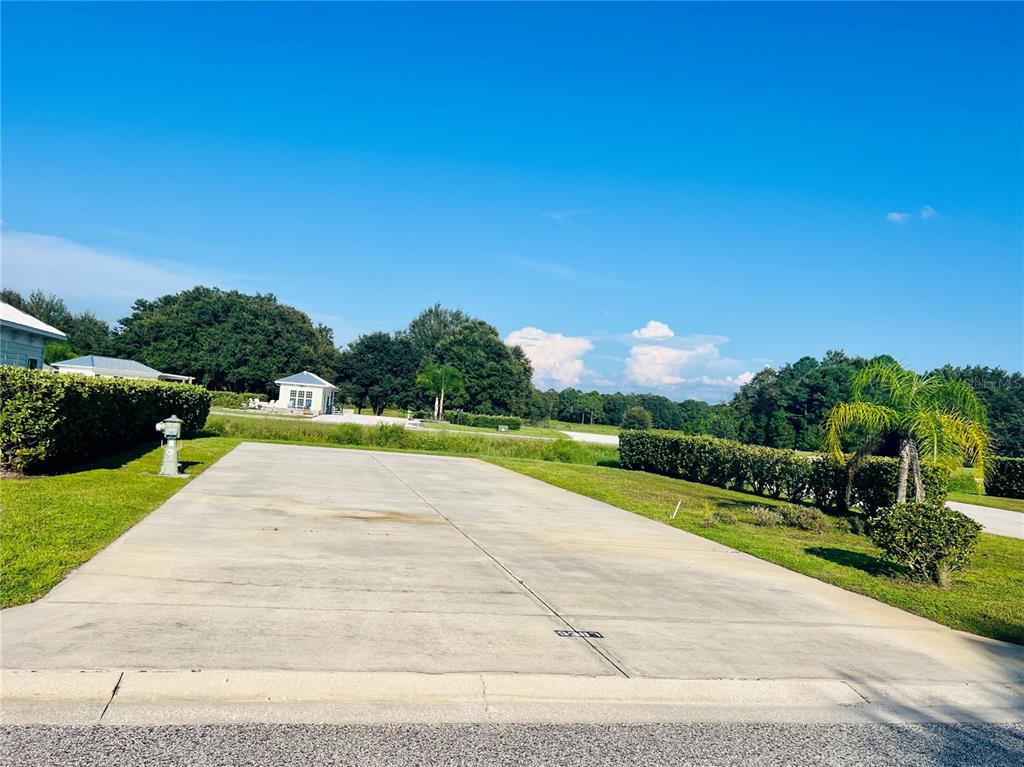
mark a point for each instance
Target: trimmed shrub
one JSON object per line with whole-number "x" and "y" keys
{"x": 765, "y": 517}
{"x": 1004, "y": 477}
{"x": 718, "y": 518}
{"x": 805, "y": 518}
{"x": 234, "y": 398}
{"x": 486, "y": 421}
{"x": 49, "y": 421}
{"x": 636, "y": 418}
{"x": 929, "y": 538}
{"x": 768, "y": 471}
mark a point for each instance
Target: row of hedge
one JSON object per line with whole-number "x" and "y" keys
{"x": 397, "y": 437}
{"x": 1004, "y": 477}
{"x": 234, "y": 398}
{"x": 768, "y": 471}
{"x": 49, "y": 421}
{"x": 485, "y": 421}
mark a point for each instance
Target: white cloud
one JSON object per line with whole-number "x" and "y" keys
{"x": 665, "y": 365}
{"x": 653, "y": 329}
{"x": 556, "y": 358}
{"x": 731, "y": 382}
{"x": 897, "y": 217}
{"x": 928, "y": 213}
{"x": 563, "y": 216}
{"x": 75, "y": 271}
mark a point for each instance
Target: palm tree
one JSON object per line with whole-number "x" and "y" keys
{"x": 936, "y": 419}
{"x": 440, "y": 380}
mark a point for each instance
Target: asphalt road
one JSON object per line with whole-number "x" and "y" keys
{"x": 520, "y": 745}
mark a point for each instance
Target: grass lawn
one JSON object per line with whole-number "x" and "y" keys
{"x": 1010, "y": 504}
{"x": 525, "y": 431}
{"x": 52, "y": 524}
{"x": 590, "y": 428}
{"x": 963, "y": 488}
{"x": 986, "y": 599}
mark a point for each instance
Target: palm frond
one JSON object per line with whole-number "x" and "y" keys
{"x": 959, "y": 396}
{"x": 967, "y": 440}
{"x": 847, "y": 415}
{"x": 896, "y": 383}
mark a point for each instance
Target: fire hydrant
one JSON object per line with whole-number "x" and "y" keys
{"x": 171, "y": 428}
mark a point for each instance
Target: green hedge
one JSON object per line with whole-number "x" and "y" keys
{"x": 1004, "y": 477}
{"x": 234, "y": 398}
{"x": 397, "y": 437}
{"x": 767, "y": 471}
{"x": 486, "y": 421}
{"x": 49, "y": 421}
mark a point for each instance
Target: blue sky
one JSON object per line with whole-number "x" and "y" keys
{"x": 759, "y": 181}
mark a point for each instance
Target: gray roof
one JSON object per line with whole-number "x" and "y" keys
{"x": 106, "y": 363}
{"x": 11, "y": 316}
{"x": 305, "y": 378}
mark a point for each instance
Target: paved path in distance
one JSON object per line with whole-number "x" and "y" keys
{"x": 997, "y": 521}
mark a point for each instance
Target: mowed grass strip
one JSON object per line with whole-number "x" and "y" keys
{"x": 986, "y": 599}
{"x": 50, "y": 525}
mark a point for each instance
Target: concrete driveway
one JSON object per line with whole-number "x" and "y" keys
{"x": 317, "y": 584}
{"x": 995, "y": 521}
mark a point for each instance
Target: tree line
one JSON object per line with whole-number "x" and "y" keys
{"x": 238, "y": 342}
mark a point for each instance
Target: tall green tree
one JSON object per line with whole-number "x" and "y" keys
{"x": 378, "y": 369}
{"x": 497, "y": 376}
{"x": 431, "y": 327}
{"x": 1003, "y": 395}
{"x": 935, "y": 419}
{"x": 226, "y": 339}
{"x": 440, "y": 381}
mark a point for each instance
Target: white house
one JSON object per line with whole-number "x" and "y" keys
{"x": 112, "y": 367}
{"x": 23, "y": 338}
{"x": 306, "y": 391}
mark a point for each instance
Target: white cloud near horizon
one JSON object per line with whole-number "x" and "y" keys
{"x": 556, "y": 358}
{"x": 649, "y": 365}
{"x": 653, "y": 330}
{"x": 81, "y": 273}
{"x": 897, "y": 217}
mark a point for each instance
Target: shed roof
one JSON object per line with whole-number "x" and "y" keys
{"x": 11, "y": 316}
{"x": 305, "y": 378}
{"x": 106, "y": 363}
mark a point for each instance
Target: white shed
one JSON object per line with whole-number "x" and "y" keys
{"x": 306, "y": 391}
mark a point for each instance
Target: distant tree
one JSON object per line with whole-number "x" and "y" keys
{"x": 636, "y": 418}
{"x": 497, "y": 376}
{"x": 58, "y": 351}
{"x": 378, "y": 370}
{"x": 1003, "y": 395}
{"x": 936, "y": 419}
{"x": 226, "y": 339}
{"x": 431, "y": 327}
{"x": 13, "y": 298}
{"x": 439, "y": 381}
{"x": 591, "y": 407}
{"x": 88, "y": 334}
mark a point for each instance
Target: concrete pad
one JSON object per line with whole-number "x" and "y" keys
{"x": 298, "y": 561}
{"x": 995, "y": 521}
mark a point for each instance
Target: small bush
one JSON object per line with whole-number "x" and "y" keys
{"x": 805, "y": 518}
{"x": 486, "y": 421}
{"x": 930, "y": 539}
{"x": 636, "y": 418}
{"x": 234, "y": 398}
{"x": 765, "y": 517}
{"x": 50, "y": 420}
{"x": 718, "y": 518}
{"x": 1004, "y": 477}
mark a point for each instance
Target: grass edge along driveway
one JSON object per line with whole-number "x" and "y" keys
{"x": 986, "y": 599}
{"x": 51, "y": 524}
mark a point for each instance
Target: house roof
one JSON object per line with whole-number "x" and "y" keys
{"x": 106, "y": 363}
{"x": 11, "y": 316}
{"x": 305, "y": 378}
